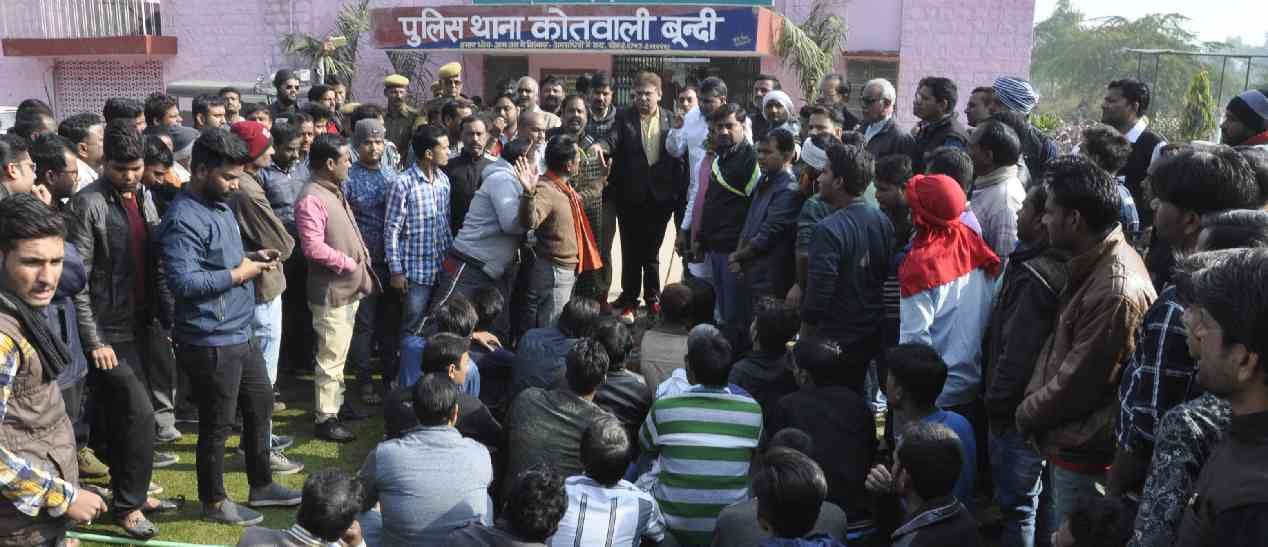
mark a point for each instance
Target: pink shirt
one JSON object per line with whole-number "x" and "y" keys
{"x": 310, "y": 220}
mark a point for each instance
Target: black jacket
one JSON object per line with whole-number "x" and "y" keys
{"x": 938, "y": 523}
{"x": 1023, "y": 316}
{"x": 725, "y": 211}
{"x": 633, "y": 181}
{"x": 890, "y": 140}
{"x": 627, "y": 397}
{"x": 464, "y": 179}
{"x": 948, "y": 131}
{"x": 844, "y": 433}
{"x": 106, "y": 309}
{"x": 765, "y": 375}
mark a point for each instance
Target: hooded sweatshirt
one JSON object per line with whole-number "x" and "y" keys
{"x": 491, "y": 234}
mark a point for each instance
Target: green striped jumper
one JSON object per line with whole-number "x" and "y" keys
{"x": 705, "y": 438}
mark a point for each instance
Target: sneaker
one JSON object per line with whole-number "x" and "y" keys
{"x": 278, "y": 406}
{"x": 333, "y": 430}
{"x": 154, "y": 489}
{"x": 281, "y": 442}
{"x": 281, "y": 465}
{"x": 273, "y": 495}
{"x": 231, "y": 513}
{"x": 165, "y": 459}
{"x": 89, "y": 466}
{"x": 166, "y": 436}
{"x": 627, "y": 316}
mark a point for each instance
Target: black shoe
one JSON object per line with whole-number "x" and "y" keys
{"x": 187, "y": 415}
{"x": 333, "y": 430}
{"x": 350, "y": 413}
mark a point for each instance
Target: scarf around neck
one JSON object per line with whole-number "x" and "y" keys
{"x": 588, "y": 258}
{"x": 53, "y": 353}
{"x": 944, "y": 248}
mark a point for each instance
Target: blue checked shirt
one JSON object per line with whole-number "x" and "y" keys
{"x": 366, "y": 190}
{"x": 1158, "y": 376}
{"x": 416, "y": 231}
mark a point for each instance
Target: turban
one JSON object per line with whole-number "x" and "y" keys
{"x": 1016, "y": 94}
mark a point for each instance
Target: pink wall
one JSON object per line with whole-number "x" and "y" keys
{"x": 25, "y": 78}
{"x": 971, "y": 42}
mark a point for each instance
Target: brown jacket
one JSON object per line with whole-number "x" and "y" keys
{"x": 36, "y": 428}
{"x": 1071, "y": 400}
{"x": 327, "y": 287}
{"x": 261, "y": 229}
{"x": 546, "y": 210}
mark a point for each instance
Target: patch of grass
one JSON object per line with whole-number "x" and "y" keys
{"x": 297, "y": 420}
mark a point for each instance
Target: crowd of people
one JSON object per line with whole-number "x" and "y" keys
{"x": 879, "y": 334}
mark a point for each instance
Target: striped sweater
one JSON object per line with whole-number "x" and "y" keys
{"x": 704, "y": 439}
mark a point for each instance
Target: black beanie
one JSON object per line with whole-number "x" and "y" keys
{"x": 1251, "y": 108}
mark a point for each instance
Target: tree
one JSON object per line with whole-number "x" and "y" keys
{"x": 336, "y": 54}
{"x": 1198, "y": 120}
{"x": 1075, "y": 56}
{"x": 812, "y": 47}
{"x": 413, "y": 65}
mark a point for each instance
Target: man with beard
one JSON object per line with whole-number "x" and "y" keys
{"x": 212, "y": 276}
{"x": 466, "y": 170}
{"x": 552, "y": 95}
{"x": 286, "y": 84}
{"x": 38, "y": 476}
{"x": 233, "y": 104}
{"x": 732, "y": 179}
{"x": 589, "y": 182}
{"x": 600, "y": 120}
{"x": 451, "y": 116}
{"x": 1246, "y": 120}
{"x": 400, "y": 119}
{"x": 526, "y": 99}
{"x": 762, "y": 84}
{"x": 85, "y": 132}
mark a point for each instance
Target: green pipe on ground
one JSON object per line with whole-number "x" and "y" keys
{"x": 116, "y": 540}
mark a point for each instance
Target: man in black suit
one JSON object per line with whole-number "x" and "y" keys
{"x": 646, "y": 183}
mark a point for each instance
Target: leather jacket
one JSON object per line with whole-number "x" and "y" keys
{"x": 106, "y": 308}
{"x": 1071, "y": 401}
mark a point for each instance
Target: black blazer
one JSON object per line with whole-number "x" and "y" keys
{"x": 632, "y": 180}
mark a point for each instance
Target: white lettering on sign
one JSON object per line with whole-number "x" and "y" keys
{"x": 557, "y": 26}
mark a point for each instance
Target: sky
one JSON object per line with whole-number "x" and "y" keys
{"x": 1215, "y": 20}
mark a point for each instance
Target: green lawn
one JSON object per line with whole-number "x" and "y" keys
{"x": 296, "y": 420}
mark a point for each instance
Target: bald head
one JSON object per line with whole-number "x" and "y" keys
{"x": 526, "y": 93}
{"x": 532, "y": 125}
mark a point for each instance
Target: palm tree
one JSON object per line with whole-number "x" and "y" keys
{"x": 335, "y": 55}
{"x": 413, "y": 65}
{"x": 812, "y": 47}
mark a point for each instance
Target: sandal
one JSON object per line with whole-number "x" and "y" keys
{"x": 166, "y": 506}
{"x": 141, "y": 527}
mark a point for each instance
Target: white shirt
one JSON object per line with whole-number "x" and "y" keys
{"x": 951, "y": 318}
{"x": 86, "y": 175}
{"x": 1134, "y": 133}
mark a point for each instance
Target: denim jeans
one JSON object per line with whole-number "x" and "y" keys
{"x": 549, "y": 289}
{"x": 1016, "y": 469}
{"x": 125, "y": 426}
{"x": 1071, "y": 489}
{"x": 377, "y": 324}
{"x": 229, "y": 377}
{"x": 266, "y": 328}
{"x": 725, "y": 290}
{"x": 417, "y": 297}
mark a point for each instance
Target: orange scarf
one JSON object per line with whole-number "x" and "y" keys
{"x": 588, "y": 258}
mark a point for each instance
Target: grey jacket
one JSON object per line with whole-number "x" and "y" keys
{"x": 491, "y": 232}
{"x": 106, "y": 308}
